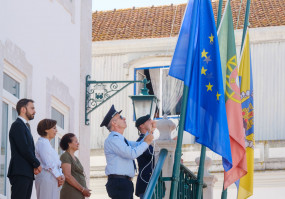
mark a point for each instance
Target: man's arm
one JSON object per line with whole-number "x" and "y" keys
{"x": 136, "y": 143}
{"x": 18, "y": 135}
{"x": 122, "y": 149}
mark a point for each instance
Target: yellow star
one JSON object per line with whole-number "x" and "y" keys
{"x": 211, "y": 38}
{"x": 203, "y": 70}
{"x": 204, "y": 54}
{"x": 218, "y": 95}
{"x": 209, "y": 87}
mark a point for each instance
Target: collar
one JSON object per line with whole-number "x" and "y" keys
{"x": 43, "y": 139}
{"x": 116, "y": 133}
{"x": 23, "y": 119}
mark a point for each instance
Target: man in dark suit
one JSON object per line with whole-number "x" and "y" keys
{"x": 146, "y": 161}
{"x": 23, "y": 163}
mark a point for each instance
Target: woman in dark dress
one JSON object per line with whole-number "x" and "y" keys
{"x": 74, "y": 186}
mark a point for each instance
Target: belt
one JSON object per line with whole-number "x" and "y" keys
{"x": 119, "y": 176}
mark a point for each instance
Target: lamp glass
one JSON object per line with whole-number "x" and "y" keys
{"x": 142, "y": 107}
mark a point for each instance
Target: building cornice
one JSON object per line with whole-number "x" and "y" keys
{"x": 167, "y": 45}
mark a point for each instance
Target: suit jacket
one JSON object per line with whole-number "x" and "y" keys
{"x": 23, "y": 159}
{"x": 144, "y": 173}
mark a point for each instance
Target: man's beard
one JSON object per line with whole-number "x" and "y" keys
{"x": 30, "y": 116}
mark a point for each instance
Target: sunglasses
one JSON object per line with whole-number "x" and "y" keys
{"x": 121, "y": 117}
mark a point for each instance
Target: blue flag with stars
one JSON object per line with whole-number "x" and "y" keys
{"x": 196, "y": 61}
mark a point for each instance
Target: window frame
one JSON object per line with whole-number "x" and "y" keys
{"x": 11, "y": 100}
{"x": 64, "y": 110}
{"x": 159, "y": 97}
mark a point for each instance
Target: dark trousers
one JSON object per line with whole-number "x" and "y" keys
{"x": 118, "y": 188}
{"x": 21, "y": 187}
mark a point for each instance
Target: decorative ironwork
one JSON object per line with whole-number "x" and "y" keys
{"x": 187, "y": 184}
{"x": 98, "y": 92}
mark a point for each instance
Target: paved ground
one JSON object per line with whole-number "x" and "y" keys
{"x": 268, "y": 184}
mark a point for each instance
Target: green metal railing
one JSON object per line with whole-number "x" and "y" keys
{"x": 187, "y": 185}
{"x": 156, "y": 188}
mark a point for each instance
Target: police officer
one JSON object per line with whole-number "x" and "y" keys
{"x": 146, "y": 161}
{"x": 120, "y": 154}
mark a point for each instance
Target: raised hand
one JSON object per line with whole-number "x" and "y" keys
{"x": 148, "y": 139}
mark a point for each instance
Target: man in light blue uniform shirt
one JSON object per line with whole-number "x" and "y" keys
{"x": 120, "y": 155}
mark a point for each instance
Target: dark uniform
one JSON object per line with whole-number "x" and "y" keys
{"x": 144, "y": 172}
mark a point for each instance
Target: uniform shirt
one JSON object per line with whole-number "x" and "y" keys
{"x": 120, "y": 156}
{"x": 48, "y": 157}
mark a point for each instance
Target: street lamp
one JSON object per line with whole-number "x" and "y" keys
{"x": 144, "y": 103}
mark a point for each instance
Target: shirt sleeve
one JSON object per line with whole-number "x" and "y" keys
{"x": 47, "y": 159}
{"x": 135, "y": 144}
{"x": 120, "y": 148}
{"x": 65, "y": 159}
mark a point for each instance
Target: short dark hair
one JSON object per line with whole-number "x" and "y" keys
{"x": 65, "y": 140}
{"x": 44, "y": 125}
{"x": 22, "y": 103}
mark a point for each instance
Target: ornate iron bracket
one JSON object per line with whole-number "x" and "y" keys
{"x": 98, "y": 92}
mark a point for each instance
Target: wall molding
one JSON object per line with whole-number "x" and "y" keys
{"x": 16, "y": 57}
{"x": 69, "y": 6}
{"x": 57, "y": 89}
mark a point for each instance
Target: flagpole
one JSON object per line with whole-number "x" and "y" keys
{"x": 177, "y": 157}
{"x": 224, "y": 193}
{"x": 219, "y": 13}
{"x": 201, "y": 173}
{"x": 246, "y": 22}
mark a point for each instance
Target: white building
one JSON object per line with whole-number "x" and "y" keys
{"x": 45, "y": 54}
{"x": 131, "y": 42}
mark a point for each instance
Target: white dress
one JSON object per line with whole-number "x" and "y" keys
{"x": 46, "y": 182}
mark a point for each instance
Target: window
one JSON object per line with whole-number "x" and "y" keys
{"x": 3, "y": 161}
{"x": 11, "y": 85}
{"x": 7, "y": 110}
{"x": 59, "y": 117}
{"x": 60, "y": 113}
{"x": 13, "y": 89}
{"x": 169, "y": 90}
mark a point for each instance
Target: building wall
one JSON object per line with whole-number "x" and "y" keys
{"x": 116, "y": 60}
{"x": 49, "y": 40}
{"x": 41, "y": 40}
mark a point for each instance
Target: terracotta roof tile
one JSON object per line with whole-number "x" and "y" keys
{"x": 165, "y": 21}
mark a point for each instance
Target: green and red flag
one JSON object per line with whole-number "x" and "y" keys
{"x": 232, "y": 98}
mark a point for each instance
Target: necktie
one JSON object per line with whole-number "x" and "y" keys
{"x": 28, "y": 125}
{"x": 133, "y": 160}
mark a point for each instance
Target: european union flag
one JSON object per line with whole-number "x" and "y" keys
{"x": 196, "y": 61}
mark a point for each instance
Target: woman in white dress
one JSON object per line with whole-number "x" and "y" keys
{"x": 48, "y": 182}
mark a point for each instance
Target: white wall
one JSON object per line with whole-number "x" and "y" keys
{"x": 50, "y": 41}
{"x": 47, "y": 36}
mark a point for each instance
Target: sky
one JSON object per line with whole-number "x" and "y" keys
{"x": 100, "y": 5}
